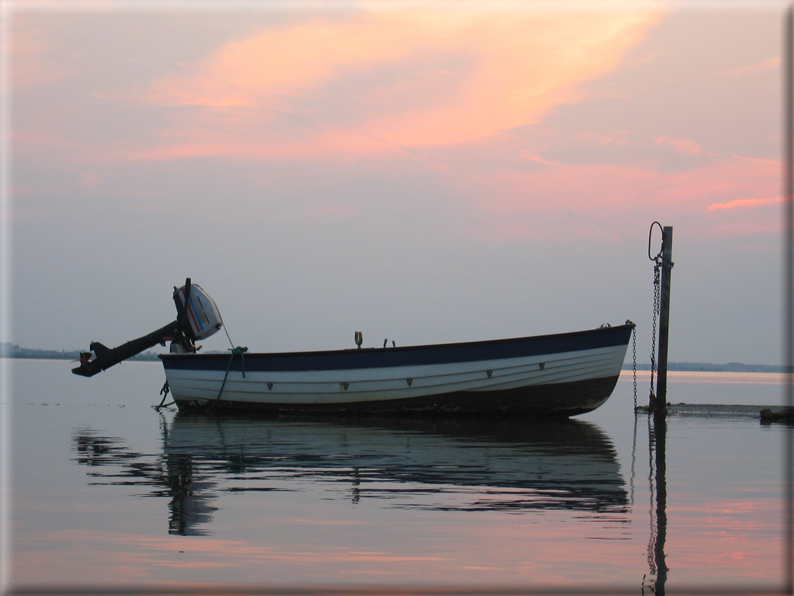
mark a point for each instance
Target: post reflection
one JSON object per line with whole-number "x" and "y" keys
{"x": 428, "y": 464}
{"x": 657, "y": 484}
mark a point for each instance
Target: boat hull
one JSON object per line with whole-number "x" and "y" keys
{"x": 562, "y": 375}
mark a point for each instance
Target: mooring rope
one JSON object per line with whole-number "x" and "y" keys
{"x": 238, "y": 350}
{"x": 164, "y": 392}
{"x": 229, "y": 337}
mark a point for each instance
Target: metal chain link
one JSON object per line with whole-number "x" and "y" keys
{"x": 657, "y": 287}
{"x": 634, "y": 363}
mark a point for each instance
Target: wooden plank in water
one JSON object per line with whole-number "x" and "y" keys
{"x": 723, "y": 410}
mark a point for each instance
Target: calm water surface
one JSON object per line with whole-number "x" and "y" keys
{"x": 107, "y": 492}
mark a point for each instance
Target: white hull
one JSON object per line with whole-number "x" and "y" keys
{"x": 394, "y": 383}
{"x": 576, "y": 377}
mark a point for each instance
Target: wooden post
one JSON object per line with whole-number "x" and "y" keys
{"x": 659, "y": 407}
{"x": 664, "y": 319}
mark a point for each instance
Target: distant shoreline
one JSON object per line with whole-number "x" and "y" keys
{"x": 8, "y": 350}
{"x": 710, "y": 367}
{"x": 16, "y": 352}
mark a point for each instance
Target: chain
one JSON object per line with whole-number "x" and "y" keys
{"x": 657, "y": 286}
{"x": 634, "y": 363}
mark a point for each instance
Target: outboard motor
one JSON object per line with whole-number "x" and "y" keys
{"x": 197, "y": 318}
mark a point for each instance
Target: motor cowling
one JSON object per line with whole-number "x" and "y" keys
{"x": 199, "y": 313}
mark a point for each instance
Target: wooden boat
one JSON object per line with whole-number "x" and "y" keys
{"x": 562, "y": 374}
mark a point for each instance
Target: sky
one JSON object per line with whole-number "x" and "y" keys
{"x": 422, "y": 172}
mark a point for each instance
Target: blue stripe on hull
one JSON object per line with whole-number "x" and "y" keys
{"x": 407, "y": 356}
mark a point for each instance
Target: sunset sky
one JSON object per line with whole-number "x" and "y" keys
{"x": 419, "y": 171}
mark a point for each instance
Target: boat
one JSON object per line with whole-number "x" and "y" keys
{"x": 563, "y": 374}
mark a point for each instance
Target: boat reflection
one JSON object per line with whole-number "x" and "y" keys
{"x": 429, "y": 464}
{"x": 189, "y": 488}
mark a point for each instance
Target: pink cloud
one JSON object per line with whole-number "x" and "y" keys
{"x": 330, "y": 211}
{"x": 89, "y": 179}
{"x": 33, "y": 61}
{"x": 771, "y": 64}
{"x": 604, "y": 200}
{"x": 532, "y": 156}
{"x": 745, "y": 203}
{"x": 460, "y": 74}
{"x": 682, "y": 145}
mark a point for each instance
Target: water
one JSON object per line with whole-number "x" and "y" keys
{"x": 108, "y": 493}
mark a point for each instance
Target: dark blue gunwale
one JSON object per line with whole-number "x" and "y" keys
{"x": 406, "y": 356}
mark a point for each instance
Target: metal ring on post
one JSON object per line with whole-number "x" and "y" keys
{"x": 650, "y": 234}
